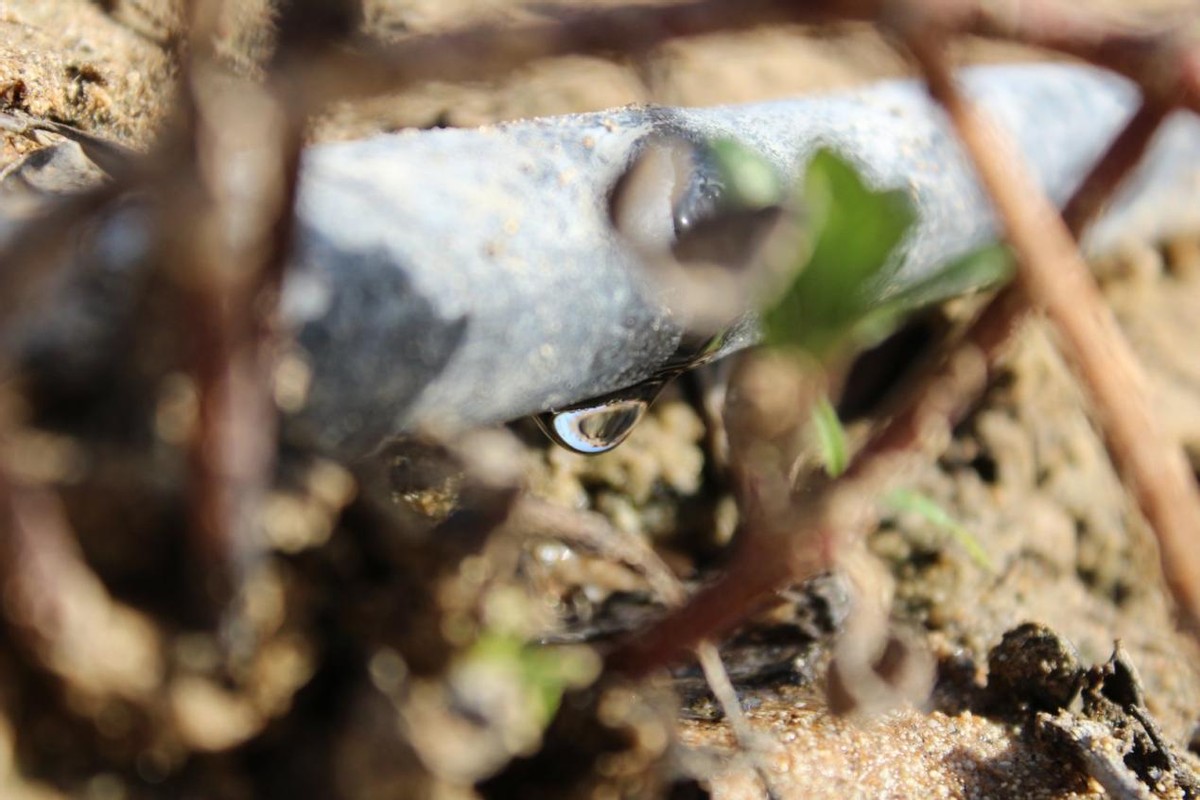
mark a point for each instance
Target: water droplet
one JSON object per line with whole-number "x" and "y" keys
{"x": 593, "y": 429}
{"x": 600, "y": 425}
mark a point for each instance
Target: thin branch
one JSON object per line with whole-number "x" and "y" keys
{"x": 234, "y": 286}
{"x": 838, "y": 510}
{"x": 717, "y": 677}
{"x": 1053, "y": 273}
{"x": 485, "y": 52}
{"x": 936, "y": 401}
{"x": 201, "y": 19}
{"x": 229, "y": 293}
{"x": 1159, "y": 58}
{"x": 591, "y": 531}
{"x": 56, "y": 609}
{"x": 1122, "y": 156}
{"x": 1164, "y": 63}
{"x": 761, "y": 565}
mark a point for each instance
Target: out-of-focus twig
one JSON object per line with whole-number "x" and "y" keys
{"x": 591, "y": 531}
{"x": 39, "y": 248}
{"x": 760, "y": 566}
{"x": 1117, "y": 162}
{"x": 200, "y": 20}
{"x": 936, "y": 400}
{"x": 228, "y": 288}
{"x": 232, "y": 278}
{"x": 1159, "y": 58}
{"x": 986, "y": 340}
{"x": 56, "y": 609}
{"x": 486, "y": 52}
{"x": 1052, "y": 272}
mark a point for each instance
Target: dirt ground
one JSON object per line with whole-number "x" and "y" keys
{"x": 343, "y": 696}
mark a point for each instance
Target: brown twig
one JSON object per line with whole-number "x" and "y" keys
{"x": 1158, "y": 58}
{"x": 374, "y": 68}
{"x": 590, "y": 531}
{"x": 37, "y": 251}
{"x": 989, "y": 335}
{"x": 760, "y": 566}
{"x": 837, "y": 510}
{"x": 233, "y": 289}
{"x": 57, "y": 610}
{"x": 1163, "y": 63}
{"x": 232, "y": 447}
{"x": 1053, "y": 273}
{"x": 1118, "y": 161}
{"x": 935, "y": 401}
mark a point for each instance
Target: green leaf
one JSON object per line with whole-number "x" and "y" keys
{"x": 987, "y": 267}
{"x": 854, "y": 230}
{"x": 550, "y": 671}
{"x": 912, "y": 502}
{"x": 831, "y": 438}
{"x": 543, "y": 673}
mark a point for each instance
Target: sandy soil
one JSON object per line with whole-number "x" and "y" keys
{"x": 1026, "y": 475}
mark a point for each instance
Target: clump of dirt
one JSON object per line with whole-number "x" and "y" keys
{"x": 382, "y": 644}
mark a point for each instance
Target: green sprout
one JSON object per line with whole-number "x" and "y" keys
{"x": 842, "y": 290}
{"x": 831, "y": 438}
{"x": 905, "y": 500}
{"x": 842, "y": 294}
{"x": 853, "y": 232}
{"x": 543, "y": 673}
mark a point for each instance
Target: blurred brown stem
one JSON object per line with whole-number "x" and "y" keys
{"x": 1052, "y": 272}
{"x": 232, "y": 294}
{"x": 1164, "y": 63}
{"x": 1118, "y": 161}
{"x": 57, "y": 611}
{"x": 931, "y": 405}
{"x": 761, "y": 565}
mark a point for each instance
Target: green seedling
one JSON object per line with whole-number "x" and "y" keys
{"x": 907, "y": 501}
{"x": 830, "y": 438}
{"x": 839, "y": 300}
{"x": 543, "y": 673}
{"x": 841, "y": 296}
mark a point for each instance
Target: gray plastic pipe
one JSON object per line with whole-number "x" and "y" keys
{"x": 455, "y": 278}
{"x": 449, "y": 279}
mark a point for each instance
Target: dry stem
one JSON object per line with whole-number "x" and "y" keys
{"x": 1118, "y": 161}
{"x": 935, "y": 401}
{"x": 234, "y": 309}
{"x": 1052, "y": 272}
{"x": 1164, "y": 63}
{"x": 591, "y": 531}
{"x": 57, "y": 610}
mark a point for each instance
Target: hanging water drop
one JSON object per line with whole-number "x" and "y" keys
{"x": 600, "y": 425}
